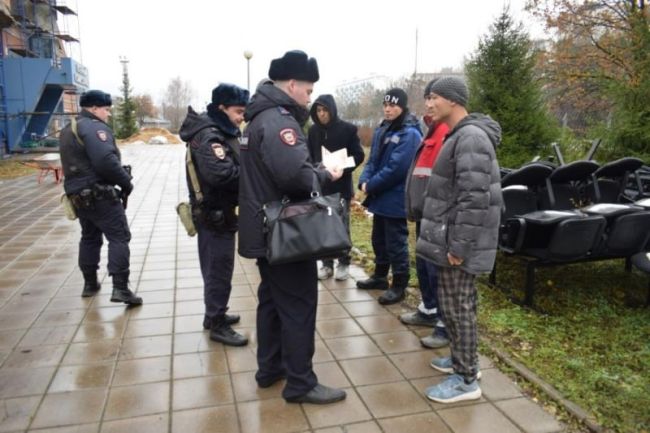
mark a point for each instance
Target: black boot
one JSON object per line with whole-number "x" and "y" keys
{"x": 91, "y": 284}
{"x": 121, "y": 291}
{"x": 378, "y": 280}
{"x": 397, "y": 291}
{"x": 231, "y": 319}
{"x": 223, "y": 333}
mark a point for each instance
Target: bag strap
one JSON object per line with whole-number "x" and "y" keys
{"x": 73, "y": 127}
{"x": 194, "y": 180}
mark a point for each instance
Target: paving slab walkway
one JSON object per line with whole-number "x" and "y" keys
{"x": 69, "y": 364}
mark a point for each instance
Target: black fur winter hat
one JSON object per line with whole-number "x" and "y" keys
{"x": 294, "y": 65}
{"x": 95, "y": 98}
{"x": 228, "y": 95}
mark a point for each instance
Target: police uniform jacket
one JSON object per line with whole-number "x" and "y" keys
{"x": 214, "y": 145}
{"x": 95, "y": 161}
{"x": 275, "y": 162}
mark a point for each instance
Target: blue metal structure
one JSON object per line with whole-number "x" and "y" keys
{"x": 35, "y": 71}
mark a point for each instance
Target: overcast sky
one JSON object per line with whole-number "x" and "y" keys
{"x": 203, "y": 41}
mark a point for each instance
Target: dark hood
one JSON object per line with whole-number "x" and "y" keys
{"x": 193, "y": 123}
{"x": 269, "y": 96}
{"x": 328, "y": 102}
{"x": 486, "y": 123}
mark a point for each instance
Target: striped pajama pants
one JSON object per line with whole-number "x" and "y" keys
{"x": 457, "y": 299}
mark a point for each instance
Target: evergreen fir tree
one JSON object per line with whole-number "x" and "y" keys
{"x": 126, "y": 111}
{"x": 502, "y": 83}
{"x": 629, "y": 133}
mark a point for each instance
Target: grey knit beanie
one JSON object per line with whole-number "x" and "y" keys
{"x": 451, "y": 88}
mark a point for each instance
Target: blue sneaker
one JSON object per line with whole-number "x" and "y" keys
{"x": 445, "y": 365}
{"x": 454, "y": 389}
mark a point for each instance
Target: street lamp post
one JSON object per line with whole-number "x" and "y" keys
{"x": 248, "y": 55}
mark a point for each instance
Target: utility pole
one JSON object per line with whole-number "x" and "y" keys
{"x": 415, "y": 70}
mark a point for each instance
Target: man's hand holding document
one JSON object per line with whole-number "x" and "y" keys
{"x": 338, "y": 159}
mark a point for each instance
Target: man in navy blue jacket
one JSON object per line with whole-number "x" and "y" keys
{"x": 394, "y": 144}
{"x": 334, "y": 134}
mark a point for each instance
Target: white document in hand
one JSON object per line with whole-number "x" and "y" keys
{"x": 338, "y": 159}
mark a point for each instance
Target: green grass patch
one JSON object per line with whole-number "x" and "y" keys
{"x": 10, "y": 169}
{"x": 589, "y": 336}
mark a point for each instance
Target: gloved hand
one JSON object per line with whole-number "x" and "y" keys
{"x": 126, "y": 189}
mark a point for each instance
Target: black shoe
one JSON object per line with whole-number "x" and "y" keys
{"x": 121, "y": 291}
{"x": 373, "y": 283}
{"x": 378, "y": 280}
{"x": 223, "y": 333}
{"x": 320, "y": 394}
{"x": 126, "y": 296}
{"x": 269, "y": 382}
{"x": 397, "y": 291}
{"x": 392, "y": 296}
{"x": 90, "y": 289}
{"x": 231, "y": 319}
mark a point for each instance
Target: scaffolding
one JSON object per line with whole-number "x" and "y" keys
{"x": 38, "y": 79}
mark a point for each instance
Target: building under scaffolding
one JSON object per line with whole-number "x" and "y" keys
{"x": 39, "y": 81}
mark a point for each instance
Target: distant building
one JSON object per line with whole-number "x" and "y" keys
{"x": 425, "y": 77}
{"x": 150, "y": 122}
{"x": 353, "y": 90}
{"x": 350, "y": 91}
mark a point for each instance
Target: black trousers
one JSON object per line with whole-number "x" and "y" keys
{"x": 286, "y": 322}
{"x": 217, "y": 260}
{"x": 390, "y": 243}
{"x": 107, "y": 219}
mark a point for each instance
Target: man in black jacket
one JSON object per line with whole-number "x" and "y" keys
{"x": 213, "y": 142}
{"x": 92, "y": 167}
{"x": 334, "y": 134}
{"x": 275, "y": 164}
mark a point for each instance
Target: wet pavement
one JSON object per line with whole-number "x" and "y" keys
{"x": 71, "y": 364}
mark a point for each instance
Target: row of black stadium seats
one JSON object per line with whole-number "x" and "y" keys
{"x": 575, "y": 212}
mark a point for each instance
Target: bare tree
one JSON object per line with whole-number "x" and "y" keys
{"x": 178, "y": 96}
{"x": 144, "y": 107}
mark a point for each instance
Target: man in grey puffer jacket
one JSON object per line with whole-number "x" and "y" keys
{"x": 459, "y": 230}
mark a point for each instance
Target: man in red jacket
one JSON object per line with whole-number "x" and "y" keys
{"x": 427, "y": 313}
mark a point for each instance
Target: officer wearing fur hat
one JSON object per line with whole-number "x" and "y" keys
{"x": 92, "y": 167}
{"x": 213, "y": 142}
{"x": 394, "y": 144}
{"x": 275, "y": 163}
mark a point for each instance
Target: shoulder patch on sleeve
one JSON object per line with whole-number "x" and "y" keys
{"x": 102, "y": 135}
{"x": 283, "y": 110}
{"x": 288, "y": 136}
{"x": 218, "y": 150}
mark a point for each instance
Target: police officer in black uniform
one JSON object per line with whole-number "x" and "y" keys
{"x": 275, "y": 163}
{"x": 213, "y": 142}
{"x": 92, "y": 167}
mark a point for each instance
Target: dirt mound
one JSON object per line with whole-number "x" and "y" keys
{"x": 145, "y": 134}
